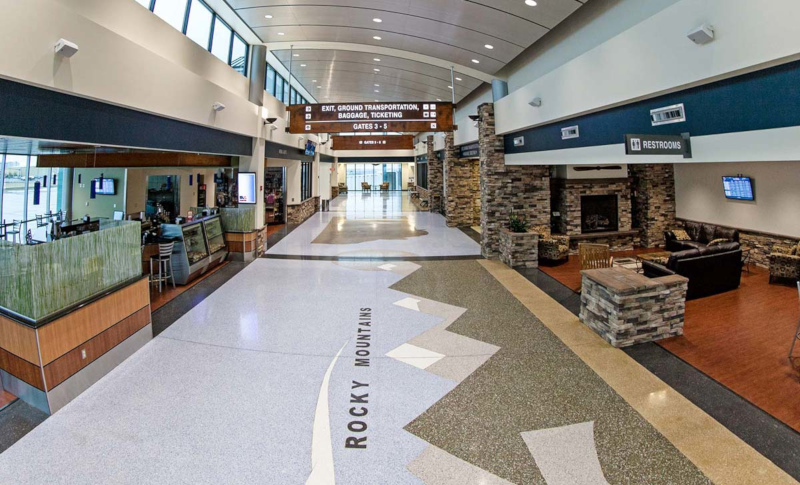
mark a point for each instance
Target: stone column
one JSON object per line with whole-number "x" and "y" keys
{"x": 435, "y": 178}
{"x": 521, "y": 189}
{"x": 653, "y": 187}
{"x": 459, "y": 188}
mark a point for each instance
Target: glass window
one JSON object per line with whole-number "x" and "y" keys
{"x": 172, "y": 12}
{"x": 199, "y": 26}
{"x": 285, "y": 92}
{"x": 278, "y": 86}
{"x": 144, "y": 3}
{"x": 422, "y": 175}
{"x": 221, "y": 44}
{"x": 270, "y": 80}
{"x": 16, "y": 169}
{"x": 239, "y": 55}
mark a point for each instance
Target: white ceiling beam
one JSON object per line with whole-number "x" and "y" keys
{"x": 386, "y": 51}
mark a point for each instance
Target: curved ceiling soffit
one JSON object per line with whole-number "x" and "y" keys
{"x": 386, "y": 51}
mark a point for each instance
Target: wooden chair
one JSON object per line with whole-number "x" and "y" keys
{"x": 595, "y": 256}
{"x": 385, "y": 187}
{"x": 365, "y": 186}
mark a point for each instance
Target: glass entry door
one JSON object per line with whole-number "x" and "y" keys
{"x": 374, "y": 174}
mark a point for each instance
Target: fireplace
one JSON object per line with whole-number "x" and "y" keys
{"x": 599, "y": 213}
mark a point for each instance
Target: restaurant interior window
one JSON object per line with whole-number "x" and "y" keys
{"x": 198, "y": 27}
{"x": 278, "y": 87}
{"x": 14, "y": 175}
{"x": 239, "y": 55}
{"x": 285, "y": 92}
{"x": 172, "y": 12}
{"x": 221, "y": 43}
{"x": 306, "y": 184}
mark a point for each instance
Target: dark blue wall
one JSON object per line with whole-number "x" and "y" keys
{"x": 758, "y": 101}
{"x": 31, "y": 112}
{"x": 375, "y": 159}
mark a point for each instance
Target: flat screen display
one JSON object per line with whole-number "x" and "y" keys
{"x": 104, "y": 186}
{"x": 738, "y": 188}
{"x": 247, "y": 187}
{"x": 311, "y": 148}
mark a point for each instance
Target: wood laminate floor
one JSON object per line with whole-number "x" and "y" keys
{"x": 740, "y": 338}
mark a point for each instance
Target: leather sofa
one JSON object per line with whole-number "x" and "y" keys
{"x": 710, "y": 269}
{"x": 700, "y": 234}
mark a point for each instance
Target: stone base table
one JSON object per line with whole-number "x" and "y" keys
{"x": 627, "y": 308}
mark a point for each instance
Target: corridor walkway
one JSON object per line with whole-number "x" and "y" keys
{"x": 370, "y": 371}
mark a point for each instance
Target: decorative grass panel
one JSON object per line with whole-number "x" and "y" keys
{"x": 238, "y": 219}
{"x": 42, "y": 279}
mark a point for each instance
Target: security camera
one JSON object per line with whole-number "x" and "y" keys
{"x": 218, "y": 106}
{"x": 65, "y": 48}
{"x": 536, "y": 102}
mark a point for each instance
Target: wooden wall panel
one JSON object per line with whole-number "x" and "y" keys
{"x": 70, "y": 363}
{"x": 61, "y": 336}
{"x": 19, "y": 340}
{"x": 21, "y": 369}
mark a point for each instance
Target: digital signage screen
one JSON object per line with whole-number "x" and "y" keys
{"x": 738, "y": 188}
{"x": 104, "y": 186}
{"x": 247, "y": 187}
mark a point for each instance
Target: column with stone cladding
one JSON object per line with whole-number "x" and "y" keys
{"x": 507, "y": 189}
{"x": 435, "y": 178}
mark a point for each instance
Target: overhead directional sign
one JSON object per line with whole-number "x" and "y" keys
{"x": 658, "y": 145}
{"x": 380, "y": 142}
{"x": 370, "y": 117}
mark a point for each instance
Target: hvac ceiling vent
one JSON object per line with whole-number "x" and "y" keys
{"x": 668, "y": 115}
{"x": 570, "y": 132}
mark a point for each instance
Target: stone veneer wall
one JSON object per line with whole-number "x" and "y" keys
{"x": 334, "y": 191}
{"x": 519, "y": 249}
{"x": 435, "y": 179}
{"x": 631, "y": 309}
{"x": 462, "y": 184}
{"x": 423, "y": 201}
{"x": 475, "y": 190}
{"x": 524, "y": 190}
{"x": 761, "y": 244}
{"x": 569, "y": 201}
{"x": 617, "y": 242}
{"x": 653, "y": 200}
{"x": 298, "y": 214}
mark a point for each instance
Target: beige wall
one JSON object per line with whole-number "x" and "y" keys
{"x": 699, "y": 196}
{"x": 137, "y": 187}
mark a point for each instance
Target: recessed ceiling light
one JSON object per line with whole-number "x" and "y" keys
{"x": 449, "y": 87}
{"x": 459, "y": 79}
{"x": 281, "y": 33}
{"x": 267, "y": 16}
{"x": 377, "y": 60}
{"x": 377, "y": 101}
{"x": 314, "y": 81}
{"x": 377, "y": 85}
{"x": 377, "y": 91}
{"x": 377, "y": 70}
{"x": 531, "y": 3}
{"x": 377, "y": 20}
{"x": 489, "y": 46}
{"x": 377, "y": 37}
{"x": 437, "y": 99}
{"x": 296, "y": 55}
{"x": 476, "y": 61}
{"x": 302, "y": 65}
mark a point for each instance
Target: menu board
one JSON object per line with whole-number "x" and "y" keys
{"x": 247, "y": 187}
{"x": 370, "y": 117}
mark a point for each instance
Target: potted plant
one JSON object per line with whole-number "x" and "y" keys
{"x": 519, "y": 246}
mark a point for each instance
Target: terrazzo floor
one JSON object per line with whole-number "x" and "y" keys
{"x": 361, "y": 371}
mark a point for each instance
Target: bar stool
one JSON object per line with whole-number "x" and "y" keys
{"x": 797, "y": 331}
{"x": 164, "y": 260}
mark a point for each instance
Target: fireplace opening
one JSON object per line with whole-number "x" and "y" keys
{"x": 599, "y": 213}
